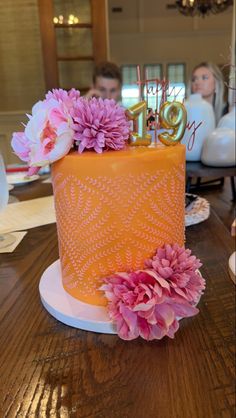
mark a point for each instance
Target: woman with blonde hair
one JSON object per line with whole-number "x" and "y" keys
{"x": 207, "y": 79}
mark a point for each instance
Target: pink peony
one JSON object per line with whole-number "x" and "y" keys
{"x": 21, "y": 145}
{"x": 48, "y": 135}
{"x": 179, "y": 268}
{"x": 100, "y": 124}
{"x": 140, "y": 305}
{"x": 32, "y": 171}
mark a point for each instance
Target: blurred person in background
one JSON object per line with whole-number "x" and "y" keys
{"x": 107, "y": 82}
{"x": 207, "y": 80}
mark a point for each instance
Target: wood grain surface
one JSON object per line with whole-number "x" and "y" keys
{"x": 48, "y": 369}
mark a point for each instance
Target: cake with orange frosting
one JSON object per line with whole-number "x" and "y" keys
{"x": 114, "y": 210}
{"x": 120, "y": 209}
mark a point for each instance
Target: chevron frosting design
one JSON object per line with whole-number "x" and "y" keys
{"x": 105, "y": 225}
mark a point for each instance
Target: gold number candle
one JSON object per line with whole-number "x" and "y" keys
{"x": 172, "y": 115}
{"x": 138, "y": 112}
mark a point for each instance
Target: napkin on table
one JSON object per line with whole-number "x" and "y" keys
{"x": 19, "y": 237}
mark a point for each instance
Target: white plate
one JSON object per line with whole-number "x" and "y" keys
{"x": 19, "y": 179}
{"x": 10, "y": 187}
{"x": 197, "y": 212}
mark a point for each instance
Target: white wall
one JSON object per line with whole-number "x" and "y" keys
{"x": 146, "y": 32}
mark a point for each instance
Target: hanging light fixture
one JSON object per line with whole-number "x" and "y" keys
{"x": 202, "y": 7}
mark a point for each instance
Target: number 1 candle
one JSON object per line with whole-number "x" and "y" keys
{"x": 138, "y": 112}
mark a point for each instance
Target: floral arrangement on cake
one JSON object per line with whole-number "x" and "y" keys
{"x": 149, "y": 303}
{"x": 65, "y": 119}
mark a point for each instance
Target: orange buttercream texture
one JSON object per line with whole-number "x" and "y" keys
{"x": 113, "y": 210}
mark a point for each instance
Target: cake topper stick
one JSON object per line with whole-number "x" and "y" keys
{"x": 172, "y": 115}
{"x": 139, "y": 82}
{"x": 146, "y": 84}
{"x": 156, "y": 121}
{"x": 165, "y": 85}
{"x": 138, "y": 112}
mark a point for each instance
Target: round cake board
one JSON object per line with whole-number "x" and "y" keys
{"x": 69, "y": 310}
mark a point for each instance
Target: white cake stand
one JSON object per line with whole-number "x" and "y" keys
{"x": 69, "y": 310}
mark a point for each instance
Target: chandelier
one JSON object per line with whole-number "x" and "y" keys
{"x": 202, "y": 7}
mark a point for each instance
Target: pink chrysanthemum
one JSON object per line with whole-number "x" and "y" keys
{"x": 140, "y": 305}
{"x": 179, "y": 268}
{"x": 100, "y": 124}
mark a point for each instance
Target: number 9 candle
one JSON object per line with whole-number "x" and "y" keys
{"x": 172, "y": 115}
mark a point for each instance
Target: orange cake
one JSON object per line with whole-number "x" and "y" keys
{"x": 113, "y": 210}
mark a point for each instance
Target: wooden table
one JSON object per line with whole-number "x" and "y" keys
{"x": 51, "y": 370}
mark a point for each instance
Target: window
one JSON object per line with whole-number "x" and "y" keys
{"x": 152, "y": 71}
{"x": 130, "y": 90}
{"x": 176, "y": 78}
